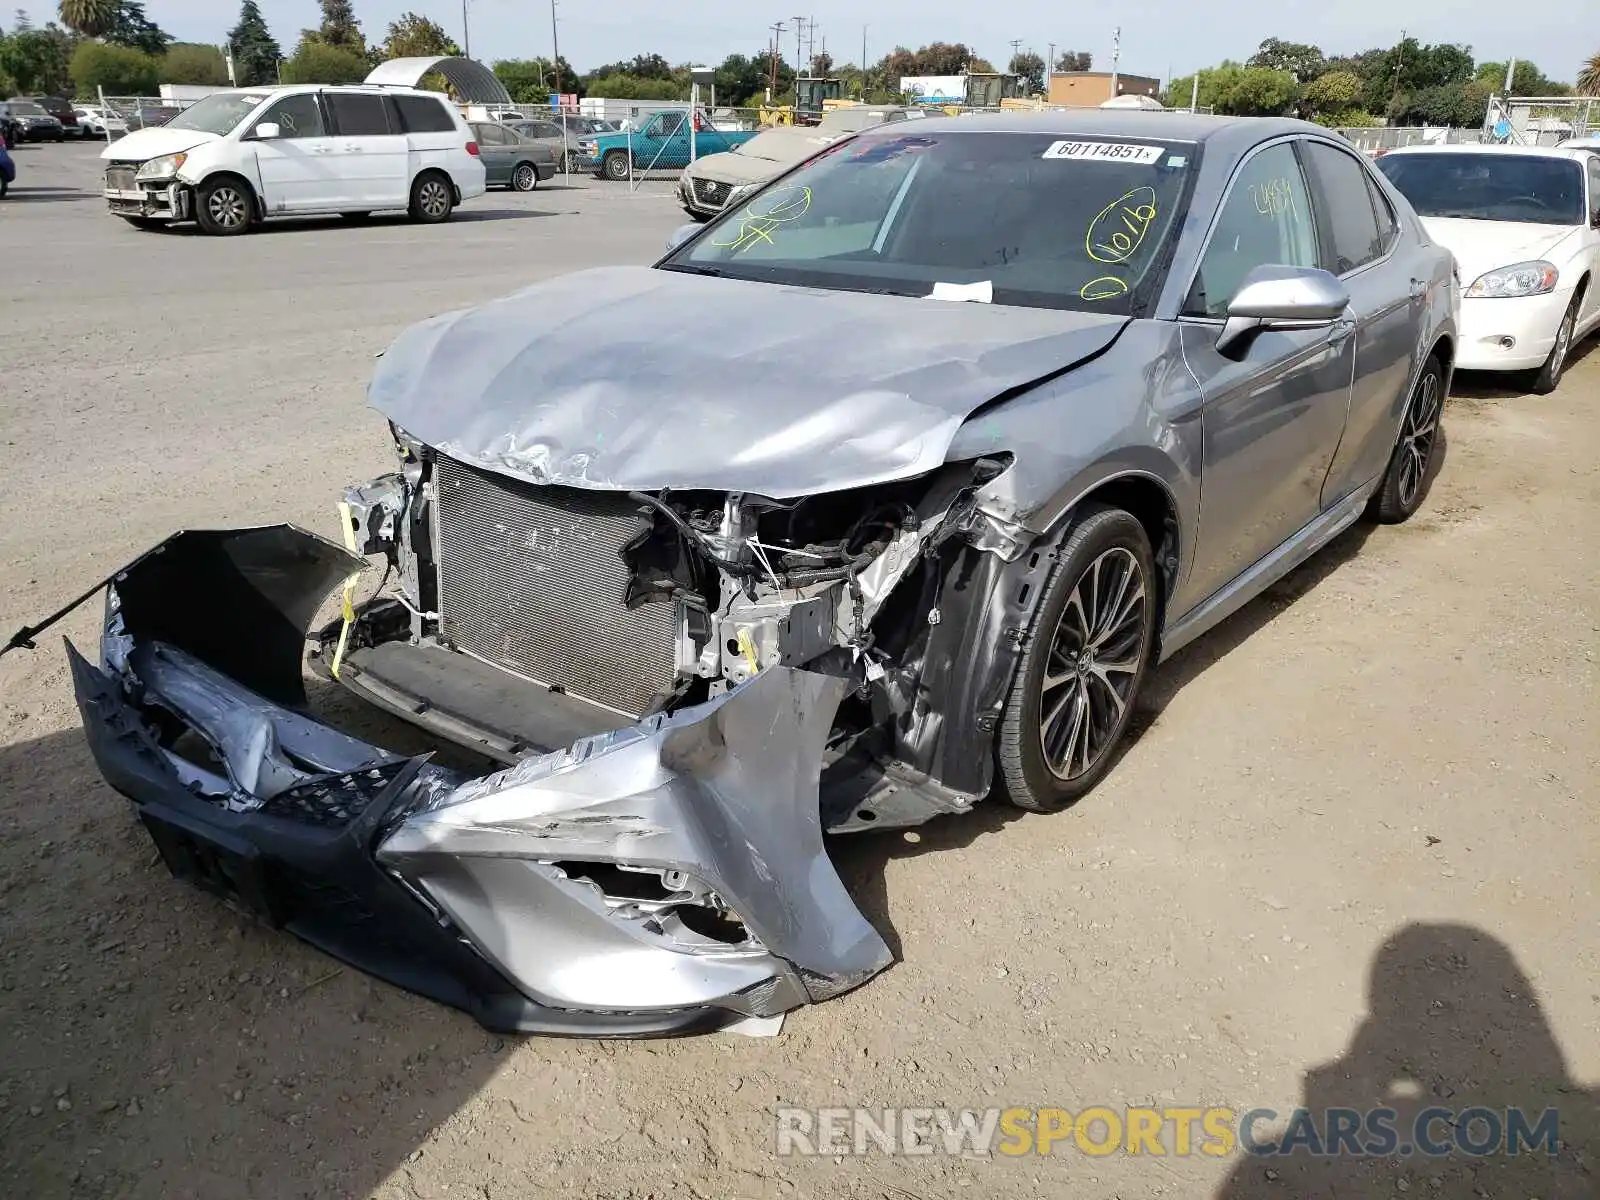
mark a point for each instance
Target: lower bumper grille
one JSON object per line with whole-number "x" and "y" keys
{"x": 122, "y": 179}
{"x": 530, "y": 579}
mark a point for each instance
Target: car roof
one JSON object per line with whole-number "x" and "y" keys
{"x": 1231, "y": 134}
{"x": 1572, "y": 152}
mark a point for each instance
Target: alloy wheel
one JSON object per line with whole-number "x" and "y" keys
{"x": 524, "y": 179}
{"x": 1096, "y": 654}
{"x": 1417, "y": 438}
{"x": 1558, "y": 356}
{"x": 227, "y": 207}
{"x": 433, "y": 198}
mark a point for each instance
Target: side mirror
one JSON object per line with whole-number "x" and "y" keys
{"x": 268, "y": 130}
{"x": 682, "y": 234}
{"x": 1274, "y": 297}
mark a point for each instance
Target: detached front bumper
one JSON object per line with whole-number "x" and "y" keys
{"x": 569, "y": 894}
{"x": 169, "y": 202}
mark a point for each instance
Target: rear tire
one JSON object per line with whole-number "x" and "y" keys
{"x": 224, "y": 206}
{"x": 432, "y": 198}
{"x": 525, "y": 178}
{"x": 1548, "y": 377}
{"x": 1084, "y": 665}
{"x": 1405, "y": 483}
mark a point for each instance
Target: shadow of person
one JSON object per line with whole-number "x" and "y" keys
{"x": 1453, "y": 1025}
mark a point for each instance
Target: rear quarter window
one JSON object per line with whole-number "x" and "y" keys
{"x": 420, "y": 114}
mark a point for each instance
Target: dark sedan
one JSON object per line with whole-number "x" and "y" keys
{"x": 509, "y": 161}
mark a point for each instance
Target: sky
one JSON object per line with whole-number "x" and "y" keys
{"x": 1158, "y": 36}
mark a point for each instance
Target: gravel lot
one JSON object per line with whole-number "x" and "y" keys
{"x": 1381, "y": 775}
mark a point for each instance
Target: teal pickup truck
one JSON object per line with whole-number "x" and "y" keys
{"x": 662, "y": 144}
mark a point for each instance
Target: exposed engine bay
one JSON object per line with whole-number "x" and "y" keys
{"x": 575, "y": 612}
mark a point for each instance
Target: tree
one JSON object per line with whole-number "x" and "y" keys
{"x": 529, "y": 79}
{"x": 618, "y": 86}
{"x": 937, "y": 58}
{"x": 1334, "y": 91}
{"x": 1589, "y": 76}
{"x": 255, "y": 52}
{"x": 741, "y": 80}
{"x": 414, "y": 36}
{"x": 37, "y": 60}
{"x": 339, "y": 30}
{"x": 1304, "y": 62}
{"x": 1029, "y": 68}
{"x": 1070, "y": 61}
{"x": 821, "y": 65}
{"x": 90, "y": 18}
{"x": 120, "y": 70}
{"x": 1526, "y": 79}
{"x": 190, "y": 63}
{"x": 317, "y": 62}
{"x": 1238, "y": 90}
{"x": 137, "y": 31}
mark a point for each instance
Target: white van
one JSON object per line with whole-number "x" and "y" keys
{"x": 242, "y": 155}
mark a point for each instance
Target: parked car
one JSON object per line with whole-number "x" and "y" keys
{"x": 1524, "y": 225}
{"x": 8, "y": 171}
{"x": 563, "y": 143}
{"x": 714, "y": 181}
{"x": 35, "y": 124}
{"x": 62, "y": 111}
{"x": 239, "y": 156}
{"x": 509, "y": 161}
{"x": 998, "y": 414}
{"x": 153, "y": 116}
{"x": 662, "y": 143}
{"x": 101, "y": 122}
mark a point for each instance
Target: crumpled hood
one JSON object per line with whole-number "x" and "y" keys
{"x": 629, "y": 378}
{"x": 144, "y": 144}
{"x": 1481, "y": 246}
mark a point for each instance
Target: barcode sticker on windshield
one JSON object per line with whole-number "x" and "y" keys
{"x": 1123, "y": 152}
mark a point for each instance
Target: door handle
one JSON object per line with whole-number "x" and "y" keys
{"x": 1340, "y": 332}
{"x": 1418, "y": 287}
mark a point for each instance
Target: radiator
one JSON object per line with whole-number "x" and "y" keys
{"x": 530, "y": 579}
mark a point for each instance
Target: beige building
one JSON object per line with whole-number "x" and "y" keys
{"x": 1089, "y": 88}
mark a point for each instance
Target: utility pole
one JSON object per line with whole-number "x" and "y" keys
{"x": 1511, "y": 70}
{"x": 466, "y": 32}
{"x": 1016, "y": 45}
{"x": 799, "y": 33}
{"x": 555, "y": 48}
{"x": 772, "y": 73}
{"x": 1116, "y": 56}
{"x": 1049, "y": 70}
{"x": 863, "y": 62}
{"x": 1399, "y": 62}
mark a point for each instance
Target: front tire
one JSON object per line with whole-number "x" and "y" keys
{"x": 432, "y": 200}
{"x": 1548, "y": 377}
{"x": 1084, "y": 665}
{"x": 224, "y": 206}
{"x": 1405, "y": 483}
{"x": 525, "y": 178}
{"x": 615, "y": 166}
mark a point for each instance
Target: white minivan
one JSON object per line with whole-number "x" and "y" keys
{"x": 239, "y": 156}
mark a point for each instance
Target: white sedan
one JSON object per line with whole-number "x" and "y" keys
{"x": 1524, "y": 225}
{"x": 98, "y": 122}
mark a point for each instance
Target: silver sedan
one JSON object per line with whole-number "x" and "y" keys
{"x": 878, "y": 498}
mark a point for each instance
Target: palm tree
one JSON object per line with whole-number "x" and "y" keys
{"x": 1589, "y": 77}
{"x": 91, "y": 18}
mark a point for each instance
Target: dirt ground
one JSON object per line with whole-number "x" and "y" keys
{"x": 1353, "y": 853}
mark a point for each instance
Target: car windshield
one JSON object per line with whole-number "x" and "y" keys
{"x": 219, "y": 114}
{"x": 1028, "y": 219}
{"x": 1490, "y": 187}
{"x": 25, "y": 108}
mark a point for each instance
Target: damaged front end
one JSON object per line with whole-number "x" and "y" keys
{"x": 685, "y": 690}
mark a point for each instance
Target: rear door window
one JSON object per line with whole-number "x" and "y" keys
{"x": 419, "y": 114}
{"x": 358, "y": 114}
{"x": 1351, "y": 237}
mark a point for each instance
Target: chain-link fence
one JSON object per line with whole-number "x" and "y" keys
{"x": 1378, "y": 139}
{"x": 124, "y": 114}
